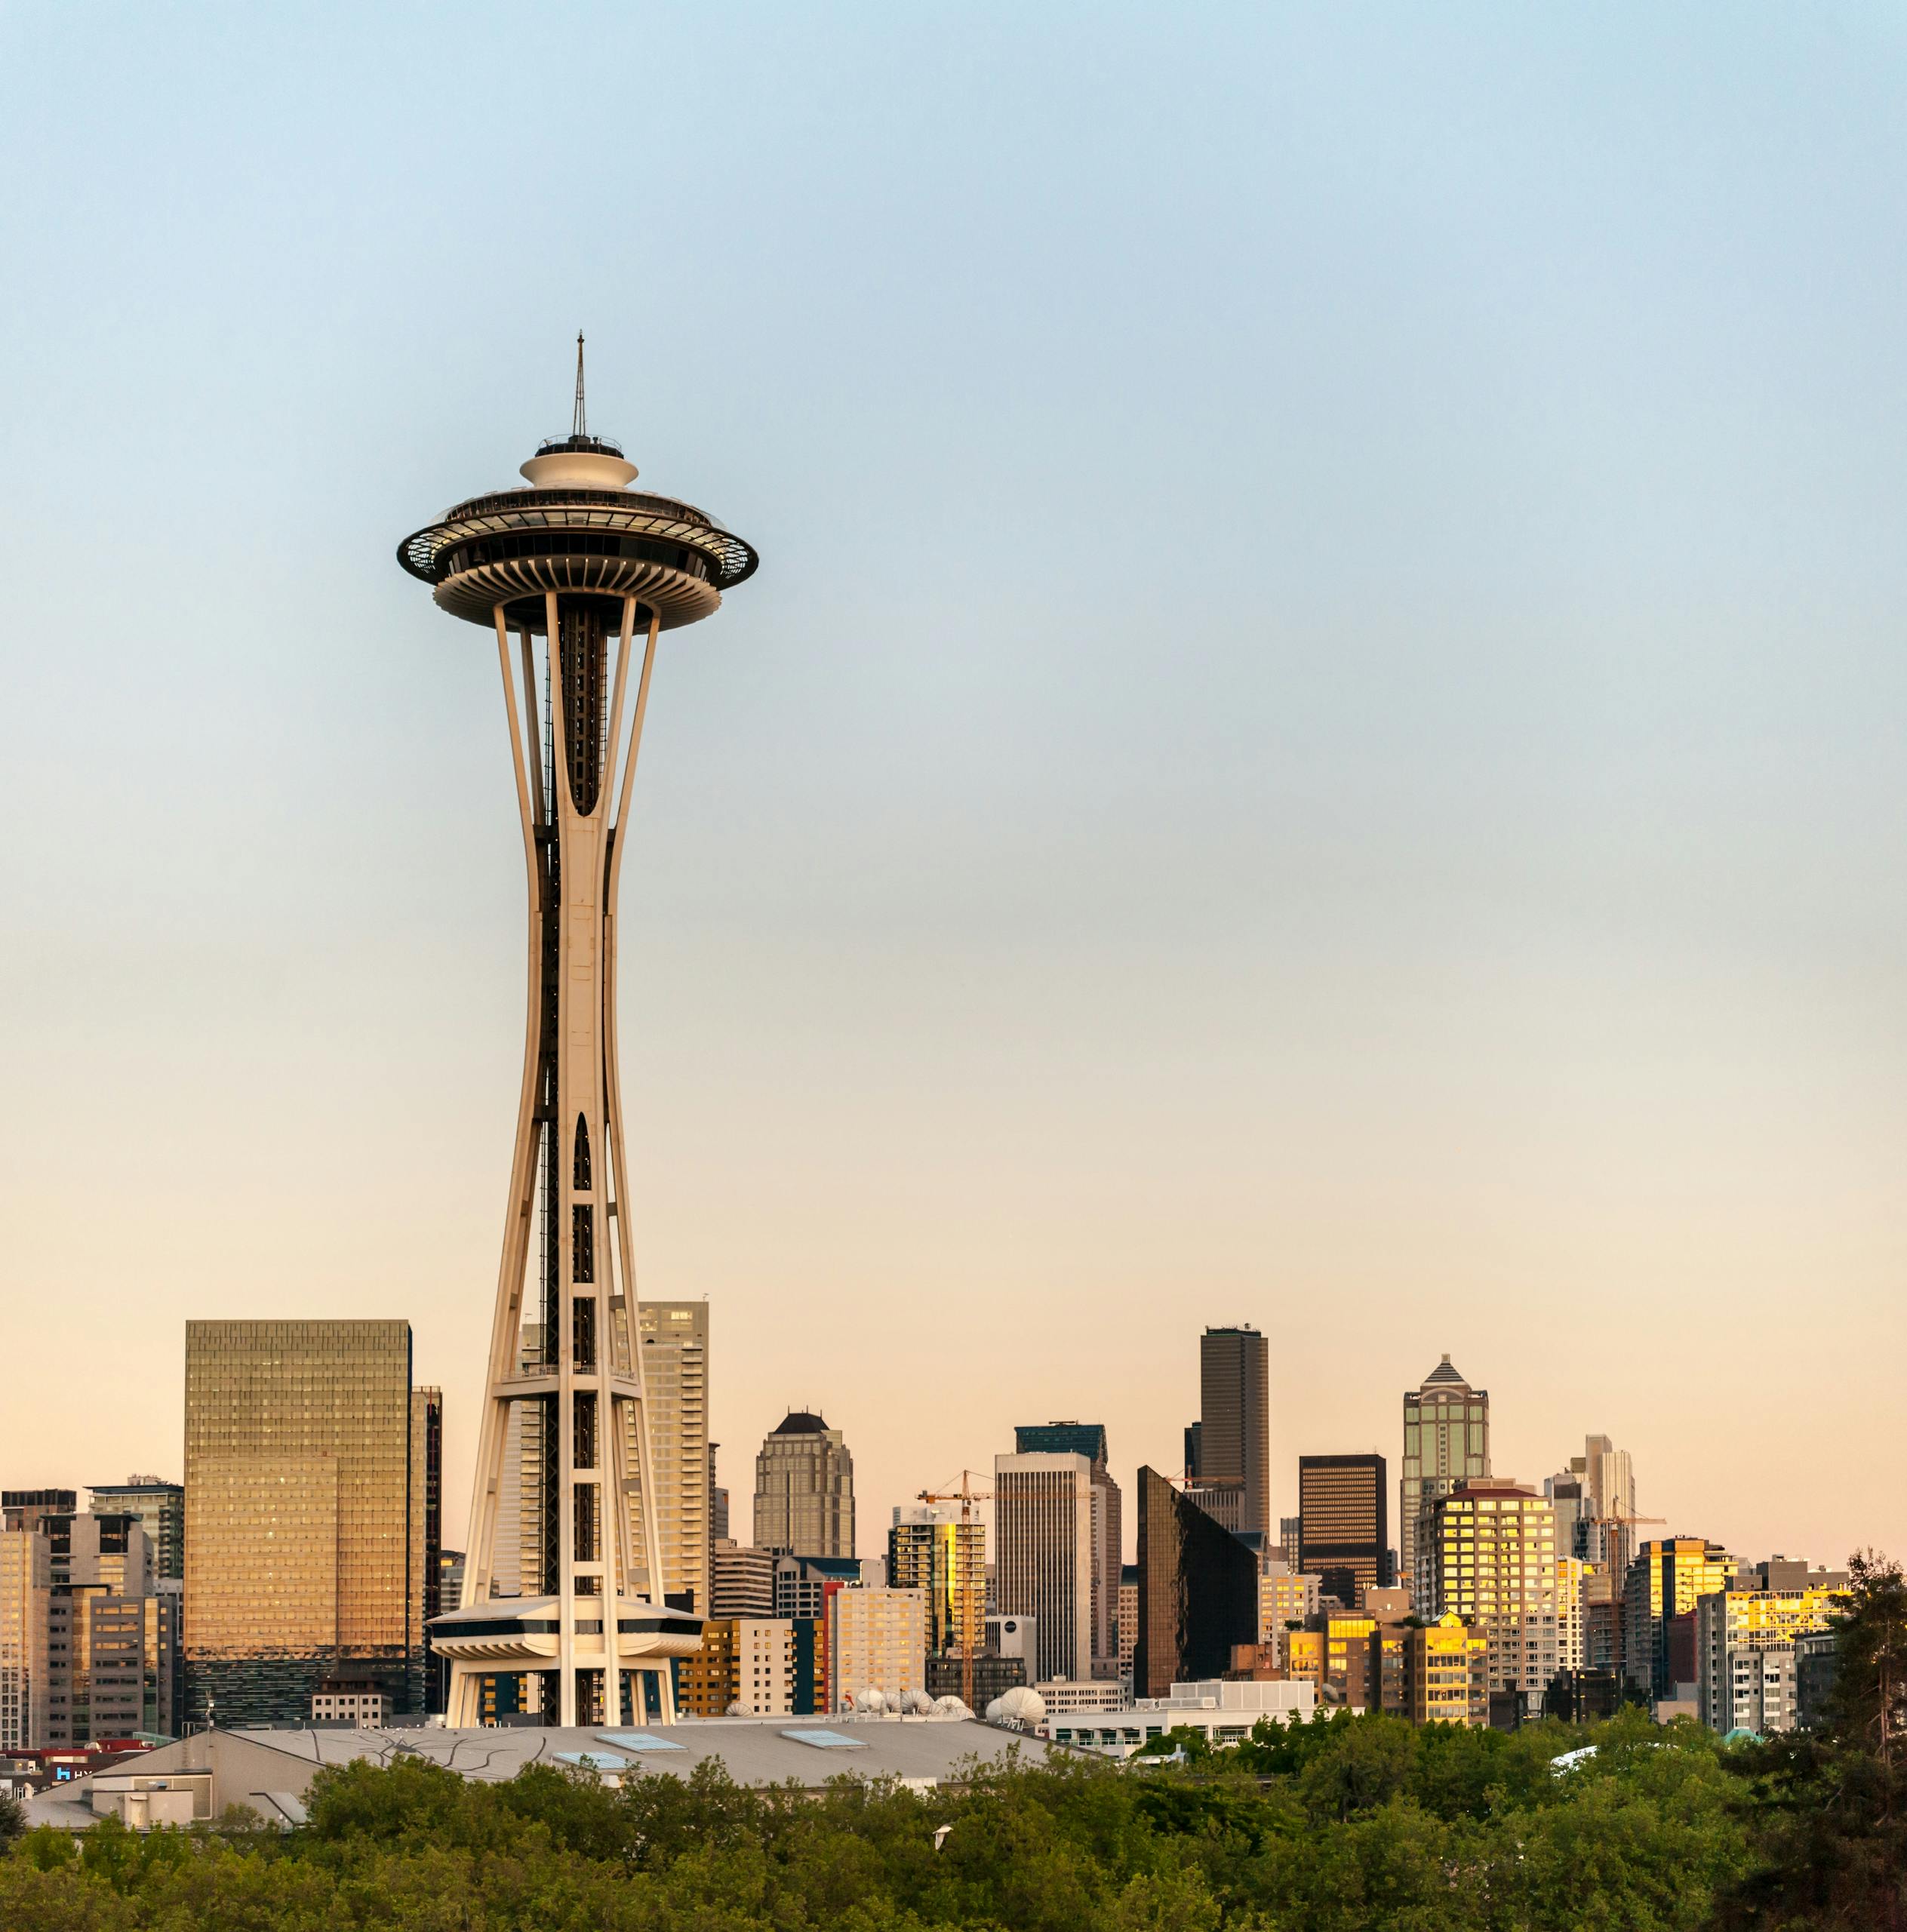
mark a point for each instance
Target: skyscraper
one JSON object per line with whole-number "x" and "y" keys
{"x": 1234, "y": 1442}
{"x": 1088, "y": 1439}
{"x": 1043, "y": 1556}
{"x": 930, "y": 1549}
{"x": 596, "y": 572}
{"x": 1198, "y": 1590}
{"x": 1445, "y": 1442}
{"x": 675, "y": 1375}
{"x": 805, "y": 1489}
{"x": 306, "y": 1534}
{"x": 160, "y": 1506}
{"x": 1342, "y": 1537}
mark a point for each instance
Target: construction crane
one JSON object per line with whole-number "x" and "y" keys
{"x": 965, "y": 1496}
{"x": 1621, "y": 1519}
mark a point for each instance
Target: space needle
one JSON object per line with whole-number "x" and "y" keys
{"x": 577, "y": 575}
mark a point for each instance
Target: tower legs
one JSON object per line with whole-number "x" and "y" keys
{"x": 565, "y": 1333}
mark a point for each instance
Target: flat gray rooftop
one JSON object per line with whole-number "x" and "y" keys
{"x": 261, "y": 1767}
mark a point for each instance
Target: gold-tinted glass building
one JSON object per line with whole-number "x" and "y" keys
{"x": 312, "y": 1473}
{"x": 931, "y": 1550}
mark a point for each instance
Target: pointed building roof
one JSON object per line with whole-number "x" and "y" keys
{"x": 1444, "y": 1373}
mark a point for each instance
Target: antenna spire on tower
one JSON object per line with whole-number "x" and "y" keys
{"x": 579, "y": 427}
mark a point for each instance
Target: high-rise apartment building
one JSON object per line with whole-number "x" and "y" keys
{"x": 1234, "y": 1437}
{"x": 25, "y": 1663}
{"x": 307, "y": 1539}
{"x": 1445, "y": 1442}
{"x": 1745, "y": 1655}
{"x": 160, "y": 1508}
{"x": 1043, "y": 1525}
{"x": 1491, "y": 1559}
{"x": 805, "y": 1489}
{"x": 877, "y": 1641}
{"x": 1198, "y": 1591}
{"x": 675, "y": 1340}
{"x": 1668, "y": 1577}
{"x": 1343, "y": 1534}
{"x": 930, "y": 1549}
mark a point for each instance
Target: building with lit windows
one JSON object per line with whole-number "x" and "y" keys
{"x": 877, "y": 1640}
{"x": 1572, "y": 1575}
{"x": 1285, "y": 1597}
{"x": 1669, "y": 1576}
{"x": 1490, "y": 1560}
{"x": 1445, "y": 1442}
{"x": 307, "y": 1539}
{"x": 1304, "y": 1657}
{"x": 1745, "y": 1655}
{"x": 805, "y": 1489}
{"x": 674, "y": 1342}
{"x": 1447, "y": 1673}
{"x": 930, "y": 1549}
{"x": 1347, "y": 1659}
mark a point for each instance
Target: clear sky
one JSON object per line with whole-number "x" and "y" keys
{"x": 1318, "y": 740}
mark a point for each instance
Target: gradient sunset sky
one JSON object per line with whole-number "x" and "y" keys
{"x": 1318, "y": 742}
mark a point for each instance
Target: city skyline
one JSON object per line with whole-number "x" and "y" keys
{"x": 1463, "y": 896}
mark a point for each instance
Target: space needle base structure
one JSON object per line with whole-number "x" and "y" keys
{"x": 577, "y": 575}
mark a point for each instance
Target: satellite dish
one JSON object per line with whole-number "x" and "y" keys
{"x": 1023, "y": 1707}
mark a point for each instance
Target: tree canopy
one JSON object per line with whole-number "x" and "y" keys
{"x": 1342, "y": 1823}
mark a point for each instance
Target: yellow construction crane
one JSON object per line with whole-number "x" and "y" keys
{"x": 965, "y": 1496}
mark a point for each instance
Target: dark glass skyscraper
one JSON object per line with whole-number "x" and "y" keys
{"x": 1342, "y": 1534}
{"x": 1198, "y": 1590}
{"x": 1234, "y": 1430}
{"x": 1061, "y": 1438}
